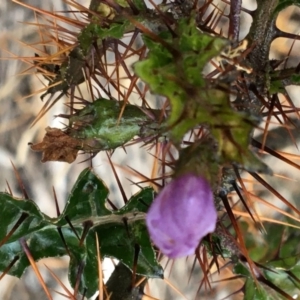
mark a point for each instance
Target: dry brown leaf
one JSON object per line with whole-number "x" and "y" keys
{"x": 57, "y": 146}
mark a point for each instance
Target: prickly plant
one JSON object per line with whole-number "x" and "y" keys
{"x": 175, "y": 77}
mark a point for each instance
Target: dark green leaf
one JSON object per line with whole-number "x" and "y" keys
{"x": 87, "y": 199}
{"x": 14, "y": 211}
{"x": 139, "y": 202}
{"x": 254, "y": 292}
{"x": 282, "y": 4}
{"x": 122, "y": 234}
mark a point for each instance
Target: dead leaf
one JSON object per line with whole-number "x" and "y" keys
{"x": 57, "y": 146}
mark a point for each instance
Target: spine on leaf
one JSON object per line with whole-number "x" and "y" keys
{"x": 101, "y": 125}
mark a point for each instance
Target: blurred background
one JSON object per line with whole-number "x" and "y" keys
{"x": 20, "y": 104}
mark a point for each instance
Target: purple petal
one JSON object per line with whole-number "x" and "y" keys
{"x": 181, "y": 215}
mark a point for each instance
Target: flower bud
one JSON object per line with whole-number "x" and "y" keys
{"x": 181, "y": 215}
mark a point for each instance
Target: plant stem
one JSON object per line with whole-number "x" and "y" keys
{"x": 234, "y": 18}
{"x": 262, "y": 33}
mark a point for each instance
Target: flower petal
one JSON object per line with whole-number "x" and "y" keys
{"x": 181, "y": 215}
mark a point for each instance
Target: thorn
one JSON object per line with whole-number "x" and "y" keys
{"x": 11, "y": 264}
{"x": 143, "y": 202}
{"x": 135, "y": 263}
{"x": 20, "y": 182}
{"x": 72, "y": 227}
{"x": 78, "y": 277}
{"x": 237, "y": 190}
{"x": 34, "y": 267}
{"x": 56, "y": 202}
{"x": 9, "y": 188}
{"x": 274, "y": 192}
{"x": 15, "y": 227}
{"x": 86, "y": 227}
{"x": 69, "y": 294}
{"x": 63, "y": 240}
{"x": 125, "y": 221}
{"x": 100, "y": 271}
{"x": 84, "y": 292}
{"x": 118, "y": 180}
{"x": 111, "y": 204}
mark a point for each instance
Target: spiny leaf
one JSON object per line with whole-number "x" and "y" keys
{"x": 11, "y": 211}
{"x": 101, "y": 125}
{"x": 285, "y": 280}
{"x": 107, "y": 124}
{"x": 252, "y": 292}
{"x": 94, "y": 32}
{"x": 281, "y": 271}
{"x": 86, "y": 200}
{"x": 120, "y": 233}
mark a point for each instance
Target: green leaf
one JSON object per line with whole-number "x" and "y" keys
{"x": 240, "y": 269}
{"x": 277, "y": 86}
{"x": 286, "y": 263}
{"x": 254, "y": 292}
{"x": 122, "y": 234}
{"x": 295, "y": 79}
{"x": 139, "y": 202}
{"x": 281, "y": 261}
{"x": 281, "y": 78}
{"x": 283, "y": 4}
{"x": 107, "y": 124}
{"x": 115, "y": 30}
{"x": 94, "y": 32}
{"x": 87, "y": 200}
{"x": 14, "y": 211}
{"x": 283, "y": 280}
{"x": 126, "y": 242}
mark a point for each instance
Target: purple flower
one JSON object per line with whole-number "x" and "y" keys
{"x": 181, "y": 215}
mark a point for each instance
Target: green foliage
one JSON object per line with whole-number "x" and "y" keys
{"x": 119, "y": 232}
{"x": 254, "y": 292}
{"x": 107, "y": 124}
{"x": 280, "y": 260}
{"x": 96, "y": 33}
{"x": 174, "y": 56}
{"x": 101, "y": 125}
{"x": 282, "y": 4}
{"x": 173, "y": 68}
